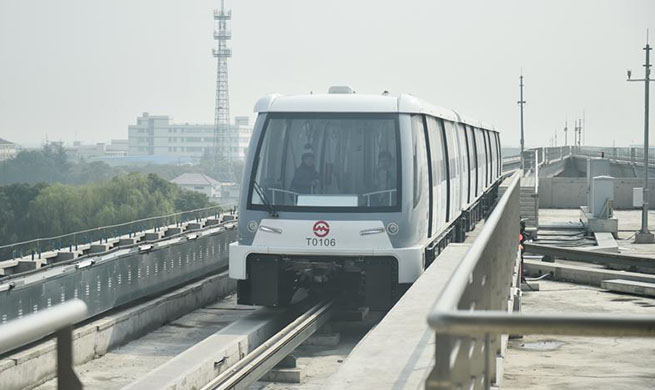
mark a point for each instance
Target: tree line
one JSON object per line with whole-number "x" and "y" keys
{"x": 51, "y": 164}
{"x": 30, "y": 211}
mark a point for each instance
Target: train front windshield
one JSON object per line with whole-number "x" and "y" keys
{"x": 331, "y": 160}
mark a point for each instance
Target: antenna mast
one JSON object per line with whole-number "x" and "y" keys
{"x": 222, "y": 140}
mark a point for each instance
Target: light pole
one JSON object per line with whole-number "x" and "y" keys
{"x": 644, "y": 236}
{"x": 522, "y": 103}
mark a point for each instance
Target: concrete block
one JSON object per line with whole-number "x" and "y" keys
{"x": 629, "y": 287}
{"x": 171, "y": 231}
{"x": 28, "y": 265}
{"x": 63, "y": 256}
{"x": 97, "y": 248}
{"x": 579, "y": 274}
{"x": 153, "y": 236}
{"x": 284, "y": 375}
{"x": 605, "y": 242}
{"x": 592, "y": 224}
{"x": 644, "y": 238}
{"x": 289, "y": 361}
{"x": 194, "y": 226}
{"x": 529, "y": 286}
{"x": 126, "y": 241}
{"x": 324, "y": 340}
{"x": 351, "y": 314}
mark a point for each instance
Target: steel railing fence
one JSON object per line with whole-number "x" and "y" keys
{"x": 628, "y": 154}
{"x": 59, "y": 320}
{"x": 472, "y": 314}
{"x": 35, "y": 247}
{"x": 482, "y": 281}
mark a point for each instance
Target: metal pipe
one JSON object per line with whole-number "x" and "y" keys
{"x": 32, "y": 327}
{"x": 466, "y": 323}
{"x": 644, "y": 212}
{"x": 522, "y": 102}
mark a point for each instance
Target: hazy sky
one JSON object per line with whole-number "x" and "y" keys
{"x": 85, "y": 68}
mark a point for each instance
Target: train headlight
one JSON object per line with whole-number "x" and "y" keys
{"x": 393, "y": 228}
{"x": 252, "y": 226}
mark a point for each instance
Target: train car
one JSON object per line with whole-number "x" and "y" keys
{"x": 357, "y": 192}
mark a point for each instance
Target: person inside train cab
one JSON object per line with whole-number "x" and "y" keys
{"x": 385, "y": 179}
{"x": 306, "y": 176}
{"x": 385, "y": 175}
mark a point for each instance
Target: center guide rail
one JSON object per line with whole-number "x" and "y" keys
{"x": 260, "y": 361}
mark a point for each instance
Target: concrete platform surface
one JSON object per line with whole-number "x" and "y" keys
{"x": 563, "y": 362}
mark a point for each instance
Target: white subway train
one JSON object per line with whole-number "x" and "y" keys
{"x": 356, "y": 192}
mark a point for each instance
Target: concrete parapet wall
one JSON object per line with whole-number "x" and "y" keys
{"x": 570, "y": 192}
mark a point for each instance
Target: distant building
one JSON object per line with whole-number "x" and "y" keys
{"x": 199, "y": 183}
{"x": 7, "y": 150}
{"x": 98, "y": 151}
{"x": 221, "y": 193}
{"x": 117, "y": 148}
{"x": 229, "y": 195}
{"x": 155, "y": 135}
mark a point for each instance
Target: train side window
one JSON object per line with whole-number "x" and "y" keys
{"x": 420, "y": 159}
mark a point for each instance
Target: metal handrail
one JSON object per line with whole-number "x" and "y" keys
{"x": 38, "y": 245}
{"x": 500, "y": 322}
{"x": 58, "y": 319}
{"x": 470, "y": 312}
{"x": 21, "y": 331}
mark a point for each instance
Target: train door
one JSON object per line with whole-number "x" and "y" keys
{"x": 487, "y": 158}
{"x": 439, "y": 184}
{"x": 494, "y": 147}
{"x": 463, "y": 164}
{"x": 473, "y": 163}
{"x": 500, "y": 156}
{"x": 421, "y": 202}
{"x": 453, "y": 170}
{"x": 482, "y": 167}
{"x": 492, "y": 158}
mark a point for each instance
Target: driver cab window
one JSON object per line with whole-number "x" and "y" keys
{"x": 328, "y": 160}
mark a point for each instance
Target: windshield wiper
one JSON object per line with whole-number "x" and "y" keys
{"x": 262, "y": 195}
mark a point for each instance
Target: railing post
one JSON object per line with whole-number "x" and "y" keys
{"x": 66, "y": 377}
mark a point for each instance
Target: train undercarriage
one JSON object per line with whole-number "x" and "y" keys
{"x": 369, "y": 281}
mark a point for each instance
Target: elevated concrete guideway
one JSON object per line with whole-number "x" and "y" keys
{"x": 466, "y": 294}
{"x": 562, "y": 173}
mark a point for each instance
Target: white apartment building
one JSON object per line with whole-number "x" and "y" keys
{"x": 7, "y": 149}
{"x": 155, "y": 135}
{"x": 98, "y": 151}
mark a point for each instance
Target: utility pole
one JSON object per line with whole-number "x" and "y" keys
{"x": 644, "y": 236}
{"x": 522, "y": 103}
{"x": 556, "y": 139}
{"x": 566, "y": 129}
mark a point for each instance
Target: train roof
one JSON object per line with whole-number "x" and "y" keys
{"x": 345, "y": 100}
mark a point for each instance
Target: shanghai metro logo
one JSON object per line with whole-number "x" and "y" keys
{"x": 321, "y": 229}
